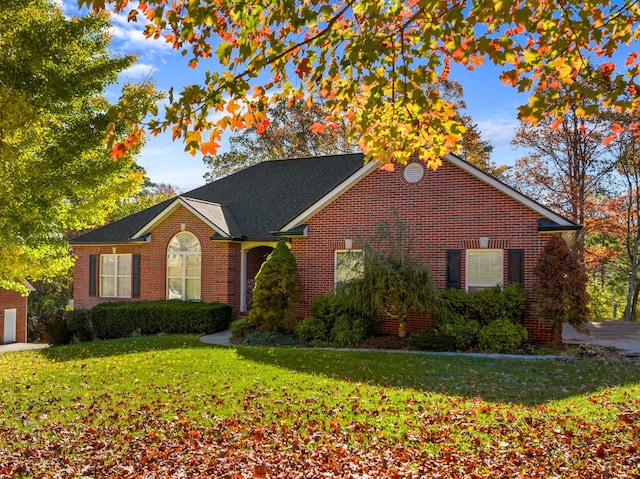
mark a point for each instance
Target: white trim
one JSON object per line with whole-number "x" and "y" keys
{"x": 336, "y": 192}
{"x": 147, "y": 228}
{"x": 525, "y": 200}
{"x": 116, "y": 276}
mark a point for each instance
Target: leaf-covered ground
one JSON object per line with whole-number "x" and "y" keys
{"x": 172, "y": 407}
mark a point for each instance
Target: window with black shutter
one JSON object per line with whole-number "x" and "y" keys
{"x": 135, "y": 276}
{"x": 93, "y": 279}
{"x": 515, "y": 266}
{"x": 454, "y": 268}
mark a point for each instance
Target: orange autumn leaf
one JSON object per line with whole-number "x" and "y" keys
{"x": 118, "y": 150}
{"x": 388, "y": 167}
{"x": 262, "y": 126}
{"x": 209, "y": 148}
{"x": 317, "y": 128}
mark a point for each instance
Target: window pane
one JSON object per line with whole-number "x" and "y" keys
{"x": 193, "y": 265}
{"x": 484, "y": 268}
{"x": 349, "y": 265}
{"x": 193, "y": 289}
{"x": 124, "y": 287}
{"x": 124, "y": 264}
{"x": 189, "y": 242}
{"x": 107, "y": 287}
{"x": 174, "y": 265}
{"x": 107, "y": 265}
{"x": 184, "y": 242}
{"x": 174, "y": 289}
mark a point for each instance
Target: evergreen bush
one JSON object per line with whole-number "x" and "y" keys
{"x": 464, "y": 331}
{"x": 502, "y": 336}
{"x": 349, "y": 330}
{"x": 55, "y": 328}
{"x": 121, "y": 319}
{"x": 431, "y": 340}
{"x": 240, "y": 328}
{"x": 275, "y": 292}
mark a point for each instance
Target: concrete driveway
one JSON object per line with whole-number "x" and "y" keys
{"x": 11, "y": 347}
{"x": 622, "y": 335}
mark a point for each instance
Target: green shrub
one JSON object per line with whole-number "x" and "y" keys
{"x": 268, "y": 338}
{"x": 464, "y": 331}
{"x": 276, "y": 291}
{"x": 121, "y": 319}
{"x": 55, "y": 328}
{"x": 502, "y": 336}
{"x": 240, "y": 328}
{"x": 324, "y": 311}
{"x": 349, "y": 330}
{"x": 79, "y": 324}
{"x": 431, "y": 340}
{"x": 312, "y": 330}
{"x": 488, "y": 305}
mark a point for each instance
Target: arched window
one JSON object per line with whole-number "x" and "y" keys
{"x": 183, "y": 267}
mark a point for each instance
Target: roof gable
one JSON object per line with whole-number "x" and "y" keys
{"x": 559, "y": 222}
{"x": 248, "y": 204}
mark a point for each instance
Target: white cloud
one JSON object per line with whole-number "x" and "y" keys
{"x": 499, "y": 130}
{"x": 139, "y": 71}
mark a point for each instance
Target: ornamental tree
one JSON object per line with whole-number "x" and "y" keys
{"x": 374, "y": 62}
{"x": 560, "y": 289}
{"x": 276, "y": 291}
{"x": 57, "y": 173}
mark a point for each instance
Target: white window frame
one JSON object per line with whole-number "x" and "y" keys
{"x": 116, "y": 276}
{"x": 478, "y": 283}
{"x": 339, "y": 252}
{"x": 183, "y": 277}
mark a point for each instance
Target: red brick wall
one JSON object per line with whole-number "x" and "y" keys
{"x": 220, "y": 280}
{"x": 447, "y": 209}
{"x": 13, "y": 300}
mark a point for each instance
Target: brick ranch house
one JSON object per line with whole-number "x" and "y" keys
{"x": 208, "y": 244}
{"x": 13, "y": 316}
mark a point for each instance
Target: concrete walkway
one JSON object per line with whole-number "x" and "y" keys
{"x": 12, "y": 347}
{"x": 623, "y": 335}
{"x": 223, "y": 338}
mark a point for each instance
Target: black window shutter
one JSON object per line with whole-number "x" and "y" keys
{"x": 454, "y": 268}
{"x": 135, "y": 276}
{"x": 93, "y": 270}
{"x": 515, "y": 266}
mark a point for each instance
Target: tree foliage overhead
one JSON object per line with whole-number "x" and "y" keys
{"x": 289, "y": 135}
{"x": 370, "y": 60}
{"x": 57, "y": 173}
{"x": 568, "y": 162}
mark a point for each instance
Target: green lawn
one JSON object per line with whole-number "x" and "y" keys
{"x": 170, "y": 406}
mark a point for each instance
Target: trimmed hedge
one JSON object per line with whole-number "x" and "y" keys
{"x": 118, "y": 320}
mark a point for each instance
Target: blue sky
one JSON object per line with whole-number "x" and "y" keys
{"x": 491, "y": 104}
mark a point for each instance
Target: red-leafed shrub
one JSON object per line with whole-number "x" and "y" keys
{"x": 560, "y": 290}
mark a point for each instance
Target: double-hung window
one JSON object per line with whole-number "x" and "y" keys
{"x": 115, "y": 275}
{"x": 484, "y": 269}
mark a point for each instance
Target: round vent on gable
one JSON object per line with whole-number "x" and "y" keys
{"x": 413, "y": 172}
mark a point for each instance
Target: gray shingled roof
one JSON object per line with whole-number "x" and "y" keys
{"x": 255, "y": 201}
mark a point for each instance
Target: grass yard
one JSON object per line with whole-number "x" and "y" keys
{"x": 170, "y": 406}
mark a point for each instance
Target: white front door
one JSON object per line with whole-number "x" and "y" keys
{"x": 9, "y": 325}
